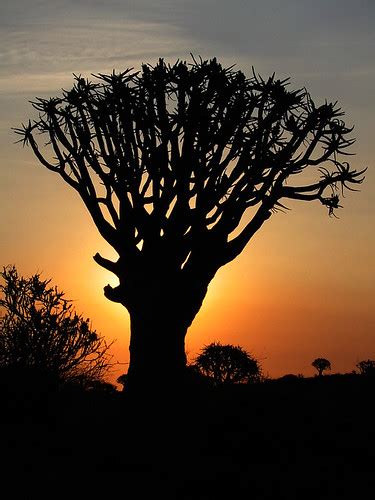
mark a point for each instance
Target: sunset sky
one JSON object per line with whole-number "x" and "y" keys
{"x": 305, "y": 285}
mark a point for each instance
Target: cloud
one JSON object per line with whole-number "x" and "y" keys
{"x": 90, "y": 33}
{"x": 43, "y": 59}
{"x": 318, "y": 44}
{"x": 43, "y": 42}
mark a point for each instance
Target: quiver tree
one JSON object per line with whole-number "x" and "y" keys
{"x": 321, "y": 365}
{"x": 228, "y": 364}
{"x": 169, "y": 161}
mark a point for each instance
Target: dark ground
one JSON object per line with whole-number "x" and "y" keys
{"x": 296, "y": 438}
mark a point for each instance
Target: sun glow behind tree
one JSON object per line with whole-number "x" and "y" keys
{"x": 169, "y": 162}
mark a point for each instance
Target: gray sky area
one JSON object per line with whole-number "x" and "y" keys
{"x": 291, "y": 36}
{"x": 327, "y": 46}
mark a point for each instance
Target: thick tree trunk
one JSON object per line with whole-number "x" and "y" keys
{"x": 159, "y": 323}
{"x": 157, "y": 349}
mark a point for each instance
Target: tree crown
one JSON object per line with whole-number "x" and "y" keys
{"x": 171, "y": 160}
{"x": 227, "y": 364}
{"x": 321, "y": 364}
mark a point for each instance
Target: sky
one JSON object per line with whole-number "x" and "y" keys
{"x": 305, "y": 285}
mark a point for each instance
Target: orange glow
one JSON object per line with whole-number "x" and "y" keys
{"x": 305, "y": 285}
{"x": 301, "y": 289}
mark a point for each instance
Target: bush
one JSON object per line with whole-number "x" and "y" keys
{"x": 366, "y": 367}
{"x": 42, "y": 339}
{"x": 228, "y": 364}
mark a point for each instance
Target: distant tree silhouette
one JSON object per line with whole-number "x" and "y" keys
{"x": 227, "y": 364}
{"x": 366, "y": 367}
{"x": 321, "y": 364}
{"x": 42, "y": 336}
{"x": 168, "y": 161}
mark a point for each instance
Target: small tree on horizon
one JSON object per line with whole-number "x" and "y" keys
{"x": 321, "y": 365}
{"x": 227, "y": 364}
{"x": 42, "y": 335}
{"x": 170, "y": 162}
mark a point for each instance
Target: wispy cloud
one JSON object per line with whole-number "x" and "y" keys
{"x": 43, "y": 42}
{"x": 40, "y": 60}
{"x": 294, "y": 36}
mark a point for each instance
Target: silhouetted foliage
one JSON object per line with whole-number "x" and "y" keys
{"x": 42, "y": 336}
{"x": 168, "y": 161}
{"x": 228, "y": 364}
{"x": 321, "y": 365}
{"x": 196, "y": 378}
{"x": 366, "y": 367}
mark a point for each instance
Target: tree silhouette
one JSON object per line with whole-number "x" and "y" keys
{"x": 366, "y": 367}
{"x": 321, "y": 364}
{"x": 227, "y": 364}
{"x": 179, "y": 165}
{"x": 42, "y": 336}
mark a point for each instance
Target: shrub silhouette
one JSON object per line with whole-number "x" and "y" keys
{"x": 366, "y": 367}
{"x": 321, "y": 364}
{"x": 227, "y": 364}
{"x": 169, "y": 161}
{"x": 42, "y": 337}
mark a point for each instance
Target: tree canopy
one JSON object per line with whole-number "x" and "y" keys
{"x": 321, "y": 365}
{"x": 173, "y": 156}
